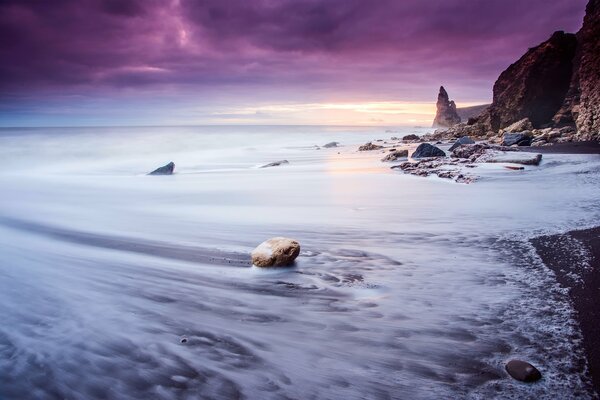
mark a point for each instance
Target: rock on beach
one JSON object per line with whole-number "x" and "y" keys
{"x": 275, "y": 252}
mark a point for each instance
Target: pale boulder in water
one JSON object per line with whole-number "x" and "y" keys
{"x": 276, "y": 252}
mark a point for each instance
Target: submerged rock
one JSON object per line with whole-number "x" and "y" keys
{"x": 462, "y": 140}
{"x": 523, "y": 371}
{"x": 426, "y": 150}
{"x": 164, "y": 170}
{"x": 275, "y": 164}
{"x": 520, "y": 139}
{"x": 331, "y": 144}
{"x": 369, "y": 146}
{"x": 275, "y": 252}
{"x": 395, "y": 155}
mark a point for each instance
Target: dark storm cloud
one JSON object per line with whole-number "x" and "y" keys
{"x": 110, "y": 44}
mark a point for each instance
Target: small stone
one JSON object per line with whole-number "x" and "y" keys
{"x": 523, "y": 371}
{"x": 183, "y": 340}
{"x": 275, "y": 252}
{"x": 275, "y": 164}
{"x": 164, "y": 170}
{"x": 513, "y": 167}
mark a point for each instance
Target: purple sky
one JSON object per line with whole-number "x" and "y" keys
{"x": 109, "y": 62}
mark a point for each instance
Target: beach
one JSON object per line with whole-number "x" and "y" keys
{"x": 116, "y": 284}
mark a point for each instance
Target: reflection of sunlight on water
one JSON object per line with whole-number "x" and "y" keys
{"x": 348, "y": 163}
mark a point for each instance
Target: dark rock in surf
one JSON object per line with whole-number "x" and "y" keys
{"x": 395, "y": 155}
{"x": 462, "y": 140}
{"x": 520, "y": 139}
{"x": 411, "y": 137}
{"x": 275, "y": 164}
{"x": 523, "y": 371}
{"x": 331, "y": 144}
{"x": 164, "y": 170}
{"x": 426, "y": 150}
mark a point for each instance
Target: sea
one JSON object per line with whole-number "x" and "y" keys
{"x": 119, "y": 285}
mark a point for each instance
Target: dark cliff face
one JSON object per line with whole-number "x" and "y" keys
{"x": 536, "y": 85}
{"x": 446, "y": 115}
{"x": 587, "y": 111}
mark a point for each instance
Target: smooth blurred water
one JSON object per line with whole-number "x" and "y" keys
{"x": 406, "y": 288}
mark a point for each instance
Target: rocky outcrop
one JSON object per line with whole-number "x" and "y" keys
{"x": 536, "y": 85}
{"x": 588, "y": 116}
{"x": 446, "y": 115}
{"x": 164, "y": 170}
{"x": 275, "y": 252}
{"x": 331, "y": 144}
{"x": 555, "y": 85}
{"x": 426, "y": 150}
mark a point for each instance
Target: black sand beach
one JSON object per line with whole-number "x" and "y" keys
{"x": 575, "y": 259}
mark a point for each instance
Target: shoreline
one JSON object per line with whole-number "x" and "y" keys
{"x": 574, "y": 257}
{"x": 587, "y": 147}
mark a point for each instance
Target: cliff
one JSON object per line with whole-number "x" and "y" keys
{"x": 536, "y": 85}
{"x": 588, "y": 110}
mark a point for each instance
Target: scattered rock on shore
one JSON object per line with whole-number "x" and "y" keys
{"x": 520, "y": 139}
{"x": 513, "y": 158}
{"x": 523, "y": 371}
{"x": 412, "y": 136}
{"x": 519, "y": 126}
{"x": 275, "y": 252}
{"x": 275, "y": 164}
{"x": 164, "y": 170}
{"x": 395, "y": 155}
{"x": 462, "y": 140}
{"x": 369, "y": 146}
{"x": 426, "y": 150}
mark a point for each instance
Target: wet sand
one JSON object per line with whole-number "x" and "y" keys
{"x": 575, "y": 259}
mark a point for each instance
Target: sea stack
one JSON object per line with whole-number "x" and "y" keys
{"x": 446, "y": 115}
